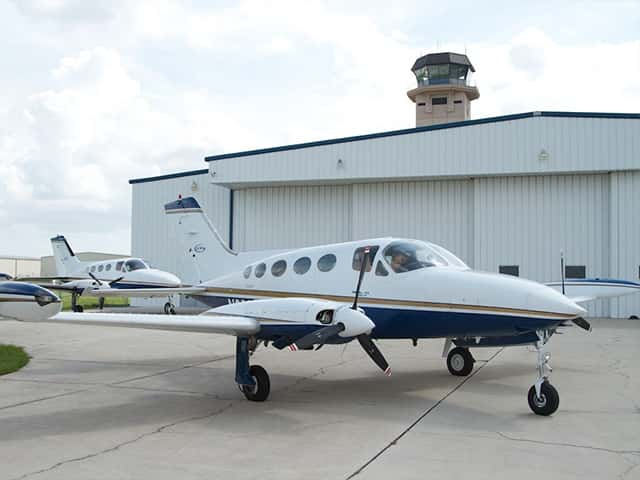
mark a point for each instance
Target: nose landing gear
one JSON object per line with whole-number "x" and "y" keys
{"x": 543, "y": 397}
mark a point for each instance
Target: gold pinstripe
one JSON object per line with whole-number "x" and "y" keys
{"x": 383, "y": 301}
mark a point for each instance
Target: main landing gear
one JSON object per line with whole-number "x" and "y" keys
{"x": 460, "y": 362}
{"x": 74, "y": 303}
{"x": 253, "y": 380}
{"x": 169, "y": 308}
{"x": 543, "y": 397}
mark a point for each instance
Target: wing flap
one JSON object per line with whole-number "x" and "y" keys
{"x": 225, "y": 324}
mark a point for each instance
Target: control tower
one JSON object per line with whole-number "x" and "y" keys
{"x": 445, "y": 88}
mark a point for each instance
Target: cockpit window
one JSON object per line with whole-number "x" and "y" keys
{"x": 405, "y": 256}
{"x": 119, "y": 266}
{"x": 134, "y": 264}
{"x": 380, "y": 270}
{"x": 356, "y": 264}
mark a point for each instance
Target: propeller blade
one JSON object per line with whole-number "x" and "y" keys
{"x": 112, "y": 282}
{"x": 95, "y": 278}
{"x": 373, "y": 352}
{"x": 582, "y": 323}
{"x": 318, "y": 336}
{"x": 363, "y": 267}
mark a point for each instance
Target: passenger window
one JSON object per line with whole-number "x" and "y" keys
{"x": 278, "y": 268}
{"x": 247, "y": 272}
{"x": 380, "y": 270}
{"x": 302, "y": 265}
{"x": 100, "y": 268}
{"x": 260, "y": 269}
{"x": 356, "y": 264}
{"x": 108, "y": 267}
{"x": 93, "y": 268}
{"x": 119, "y": 265}
{"x": 326, "y": 262}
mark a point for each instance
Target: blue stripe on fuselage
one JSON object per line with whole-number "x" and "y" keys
{"x": 407, "y": 323}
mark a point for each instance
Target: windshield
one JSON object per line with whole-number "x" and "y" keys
{"x": 405, "y": 256}
{"x": 134, "y": 264}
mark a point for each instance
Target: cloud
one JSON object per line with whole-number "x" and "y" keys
{"x": 153, "y": 87}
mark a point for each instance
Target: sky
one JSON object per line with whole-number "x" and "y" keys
{"x": 95, "y": 93}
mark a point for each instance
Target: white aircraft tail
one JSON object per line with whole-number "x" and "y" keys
{"x": 66, "y": 261}
{"x": 210, "y": 254}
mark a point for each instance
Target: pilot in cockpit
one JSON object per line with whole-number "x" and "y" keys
{"x": 399, "y": 260}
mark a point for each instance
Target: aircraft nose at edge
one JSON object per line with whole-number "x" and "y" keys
{"x": 548, "y": 299}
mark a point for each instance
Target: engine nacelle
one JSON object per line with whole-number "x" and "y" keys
{"x": 27, "y": 302}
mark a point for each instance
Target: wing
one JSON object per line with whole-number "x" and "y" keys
{"x": 144, "y": 292}
{"x": 225, "y": 324}
{"x": 584, "y": 290}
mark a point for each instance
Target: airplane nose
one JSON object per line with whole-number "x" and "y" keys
{"x": 550, "y": 300}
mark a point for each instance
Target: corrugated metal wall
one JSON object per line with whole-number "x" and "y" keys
{"x": 625, "y": 237}
{"x": 528, "y": 221}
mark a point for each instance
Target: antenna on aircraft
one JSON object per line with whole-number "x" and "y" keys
{"x": 562, "y": 269}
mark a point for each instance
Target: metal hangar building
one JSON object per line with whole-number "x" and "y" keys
{"x": 506, "y": 194}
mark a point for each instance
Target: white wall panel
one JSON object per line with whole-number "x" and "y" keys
{"x": 289, "y": 217}
{"x": 528, "y": 221}
{"x": 437, "y": 211}
{"x": 573, "y": 143}
{"x": 625, "y": 238}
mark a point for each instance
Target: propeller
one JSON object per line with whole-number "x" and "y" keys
{"x": 113, "y": 282}
{"x": 365, "y": 339}
{"x": 579, "y": 321}
{"x": 582, "y": 323}
{"x": 98, "y": 281}
{"x": 317, "y": 337}
{"x": 353, "y": 322}
{"x": 101, "y": 283}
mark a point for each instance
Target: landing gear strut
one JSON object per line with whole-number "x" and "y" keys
{"x": 460, "y": 362}
{"x": 253, "y": 380}
{"x": 169, "y": 308}
{"x": 543, "y": 397}
{"x": 74, "y": 303}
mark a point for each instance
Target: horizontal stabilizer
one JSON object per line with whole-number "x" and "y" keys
{"x": 229, "y": 325}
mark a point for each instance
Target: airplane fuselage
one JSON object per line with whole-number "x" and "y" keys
{"x": 443, "y": 299}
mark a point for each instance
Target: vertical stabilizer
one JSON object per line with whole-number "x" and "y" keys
{"x": 66, "y": 261}
{"x": 210, "y": 256}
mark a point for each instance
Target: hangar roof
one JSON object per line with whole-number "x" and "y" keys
{"x": 508, "y": 144}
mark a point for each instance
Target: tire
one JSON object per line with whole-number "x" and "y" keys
{"x": 460, "y": 362}
{"x": 167, "y": 308}
{"x": 79, "y": 309}
{"x": 259, "y": 392}
{"x": 548, "y": 402}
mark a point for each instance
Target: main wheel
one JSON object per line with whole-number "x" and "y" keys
{"x": 548, "y": 401}
{"x": 460, "y": 362}
{"x": 260, "y": 391}
{"x": 167, "y": 308}
{"x": 78, "y": 308}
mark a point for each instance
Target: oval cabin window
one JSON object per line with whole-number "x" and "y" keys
{"x": 327, "y": 262}
{"x": 260, "y": 269}
{"x": 302, "y": 265}
{"x": 278, "y": 268}
{"x": 247, "y": 272}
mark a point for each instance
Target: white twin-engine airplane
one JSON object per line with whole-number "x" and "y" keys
{"x": 118, "y": 277}
{"x": 383, "y": 288}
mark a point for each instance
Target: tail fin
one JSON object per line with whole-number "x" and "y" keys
{"x": 66, "y": 261}
{"x": 210, "y": 255}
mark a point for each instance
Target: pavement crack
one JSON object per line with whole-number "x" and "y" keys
{"x": 42, "y": 399}
{"x": 171, "y": 370}
{"x": 421, "y": 417}
{"x": 126, "y": 443}
{"x": 571, "y": 445}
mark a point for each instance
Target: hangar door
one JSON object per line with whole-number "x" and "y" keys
{"x": 527, "y": 221}
{"x": 290, "y": 217}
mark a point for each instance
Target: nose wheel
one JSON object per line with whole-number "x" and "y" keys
{"x": 169, "y": 308}
{"x": 460, "y": 362}
{"x": 543, "y": 398}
